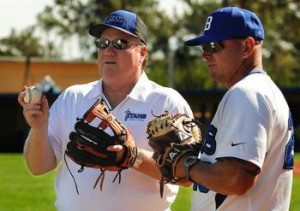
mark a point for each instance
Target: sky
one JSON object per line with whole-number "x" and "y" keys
{"x": 19, "y": 14}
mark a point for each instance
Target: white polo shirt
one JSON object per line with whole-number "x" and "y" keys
{"x": 136, "y": 190}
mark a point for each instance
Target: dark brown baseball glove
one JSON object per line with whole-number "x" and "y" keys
{"x": 88, "y": 144}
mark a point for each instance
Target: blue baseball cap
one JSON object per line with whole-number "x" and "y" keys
{"x": 228, "y": 23}
{"x": 124, "y": 21}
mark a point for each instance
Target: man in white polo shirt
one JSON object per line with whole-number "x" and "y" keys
{"x": 133, "y": 99}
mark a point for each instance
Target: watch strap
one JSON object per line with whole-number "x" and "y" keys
{"x": 138, "y": 159}
{"x": 189, "y": 163}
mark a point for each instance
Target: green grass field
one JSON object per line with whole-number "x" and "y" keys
{"x": 20, "y": 191}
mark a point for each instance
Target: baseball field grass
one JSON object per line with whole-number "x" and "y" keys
{"x": 20, "y": 191}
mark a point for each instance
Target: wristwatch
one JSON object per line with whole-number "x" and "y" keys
{"x": 138, "y": 159}
{"x": 189, "y": 163}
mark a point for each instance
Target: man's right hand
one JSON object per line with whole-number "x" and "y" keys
{"x": 36, "y": 115}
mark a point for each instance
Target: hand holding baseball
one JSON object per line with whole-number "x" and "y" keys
{"x": 35, "y": 106}
{"x": 32, "y": 95}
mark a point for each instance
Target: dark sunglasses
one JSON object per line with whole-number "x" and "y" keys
{"x": 212, "y": 47}
{"x": 120, "y": 44}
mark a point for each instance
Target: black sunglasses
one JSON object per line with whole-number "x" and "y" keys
{"x": 212, "y": 47}
{"x": 120, "y": 44}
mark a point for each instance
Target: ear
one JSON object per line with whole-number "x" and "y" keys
{"x": 249, "y": 46}
{"x": 143, "y": 51}
{"x": 143, "y": 54}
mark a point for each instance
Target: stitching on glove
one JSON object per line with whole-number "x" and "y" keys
{"x": 171, "y": 136}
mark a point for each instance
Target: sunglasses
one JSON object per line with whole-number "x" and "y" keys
{"x": 120, "y": 44}
{"x": 212, "y": 47}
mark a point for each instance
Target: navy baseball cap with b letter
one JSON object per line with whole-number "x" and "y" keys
{"x": 229, "y": 23}
{"x": 124, "y": 21}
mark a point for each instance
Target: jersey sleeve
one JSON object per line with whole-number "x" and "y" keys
{"x": 244, "y": 121}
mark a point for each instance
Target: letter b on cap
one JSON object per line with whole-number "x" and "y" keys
{"x": 208, "y": 23}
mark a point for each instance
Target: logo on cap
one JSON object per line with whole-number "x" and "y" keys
{"x": 119, "y": 19}
{"x": 208, "y": 23}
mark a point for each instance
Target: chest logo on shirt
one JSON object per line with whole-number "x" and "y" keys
{"x": 236, "y": 144}
{"x": 130, "y": 116}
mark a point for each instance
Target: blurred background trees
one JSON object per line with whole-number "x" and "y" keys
{"x": 170, "y": 62}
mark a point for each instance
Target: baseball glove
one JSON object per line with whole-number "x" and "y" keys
{"x": 171, "y": 137}
{"x": 88, "y": 144}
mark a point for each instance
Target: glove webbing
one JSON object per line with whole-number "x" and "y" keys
{"x": 100, "y": 109}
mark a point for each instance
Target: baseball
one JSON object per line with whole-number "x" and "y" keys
{"x": 32, "y": 95}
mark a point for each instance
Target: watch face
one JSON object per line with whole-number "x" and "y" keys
{"x": 190, "y": 161}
